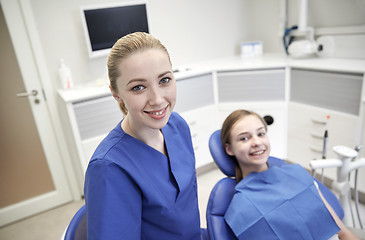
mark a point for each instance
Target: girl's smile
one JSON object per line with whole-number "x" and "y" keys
{"x": 249, "y": 144}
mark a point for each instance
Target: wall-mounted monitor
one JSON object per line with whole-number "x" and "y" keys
{"x": 105, "y": 24}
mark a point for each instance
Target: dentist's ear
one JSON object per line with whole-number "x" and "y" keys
{"x": 115, "y": 95}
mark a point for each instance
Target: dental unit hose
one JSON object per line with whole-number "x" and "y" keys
{"x": 291, "y": 38}
{"x": 356, "y": 200}
{"x": 357, "y": 149}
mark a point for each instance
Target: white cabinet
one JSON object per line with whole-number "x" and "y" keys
{"x": 335, "y": 91}
{"x": 306, "y": 129}
{"x": 251, "y": 85}
{"x": 88, "y": 121}
{"x": 94, "y": 119}
{"x": 299, "y": 103}
{"x": 314, "y": 95}
{"x": 196, "y": 104}
{"x": 262, "y": 91}
{"x": 203, "y": 122}
{"x": 194, "y": 92}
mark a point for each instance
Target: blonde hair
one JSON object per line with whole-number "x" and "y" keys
{"x": 125, "y": 47}
{"x": 227, "y": 126}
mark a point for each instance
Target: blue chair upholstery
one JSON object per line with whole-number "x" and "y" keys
{"x": 204, "y": 234}
{"x": 76, "y": 230}
{"x": 223, "y": 191}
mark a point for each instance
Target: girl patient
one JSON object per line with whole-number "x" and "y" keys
{"x": 273, "y": 202}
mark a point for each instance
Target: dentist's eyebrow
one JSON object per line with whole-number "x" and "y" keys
{"x": 138, "y": 80}
{"x": 141, "y": 80}
{"x": 165, "y": 73}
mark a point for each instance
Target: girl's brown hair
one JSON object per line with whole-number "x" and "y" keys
{"x": 227, "y": 126}
{"x": 125, "y": 47}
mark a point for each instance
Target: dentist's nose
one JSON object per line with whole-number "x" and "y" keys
{"x": 155, "y": 96}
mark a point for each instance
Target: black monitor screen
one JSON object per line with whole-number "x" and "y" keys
{"x": 106, "y": 25}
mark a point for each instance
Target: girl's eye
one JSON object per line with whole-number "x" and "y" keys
{"x": 138, "y": 88}
{"x": 244, "y": 139}
{"x": 262, "y": 134}
{"x": 165, "y": 80}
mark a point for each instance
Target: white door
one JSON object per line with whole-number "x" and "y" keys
{"x": 32, "y": 177}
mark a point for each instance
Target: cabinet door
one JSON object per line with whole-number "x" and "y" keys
{"x": 313, "y": 96}
{"x": 249, "y": 86}
{"x": 307, "y": 125}
{"x": 196, "y": 104}
{"x": 94, "y": 119}
{"x": 336, "y": 91}
{"x": 202, "y": 122}
{"x": 194, "y": 92}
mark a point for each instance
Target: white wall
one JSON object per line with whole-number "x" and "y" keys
{"x": 191, "y": 30}
{"x": 262, "y": 22}
{"x": 329, "y": 13}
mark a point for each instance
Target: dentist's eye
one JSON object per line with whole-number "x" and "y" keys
{"x": 165, "y": 80}
{"x": 138, "y": 88}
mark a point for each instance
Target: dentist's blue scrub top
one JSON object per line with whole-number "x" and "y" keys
{"x": 133, "y": 191}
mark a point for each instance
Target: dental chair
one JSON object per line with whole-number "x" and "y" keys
{"x": 223, "y": 191}
{"x": 76, "y": 230}
{"x": 77, "y": 227}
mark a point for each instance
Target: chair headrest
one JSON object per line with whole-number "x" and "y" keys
{"x": 220, "y": 157}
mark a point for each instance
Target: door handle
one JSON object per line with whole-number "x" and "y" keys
{"x": 27, "y": 94}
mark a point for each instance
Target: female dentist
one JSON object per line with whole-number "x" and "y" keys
{"x": 141, "y": 180}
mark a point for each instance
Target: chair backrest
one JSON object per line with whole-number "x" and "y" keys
{"x": 222, "y": 193}
{"x": 76, "y": 230}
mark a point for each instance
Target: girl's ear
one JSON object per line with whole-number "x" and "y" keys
{"x": 227, "y": 147}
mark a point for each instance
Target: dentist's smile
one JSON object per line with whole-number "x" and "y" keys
{"x": 157, "y": 114}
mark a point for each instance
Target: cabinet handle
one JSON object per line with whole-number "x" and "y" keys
{"x": 316, "y": 135}
{"x": 194, "y": 135}
{"x": 192, "y": 123}
{"x": 314, "y": 149}
{"x": 316, "y": 121}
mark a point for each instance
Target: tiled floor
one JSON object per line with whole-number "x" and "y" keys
{"x": 50, "y": 225}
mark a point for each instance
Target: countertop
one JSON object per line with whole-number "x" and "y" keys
{"x": 267, "y": 61}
